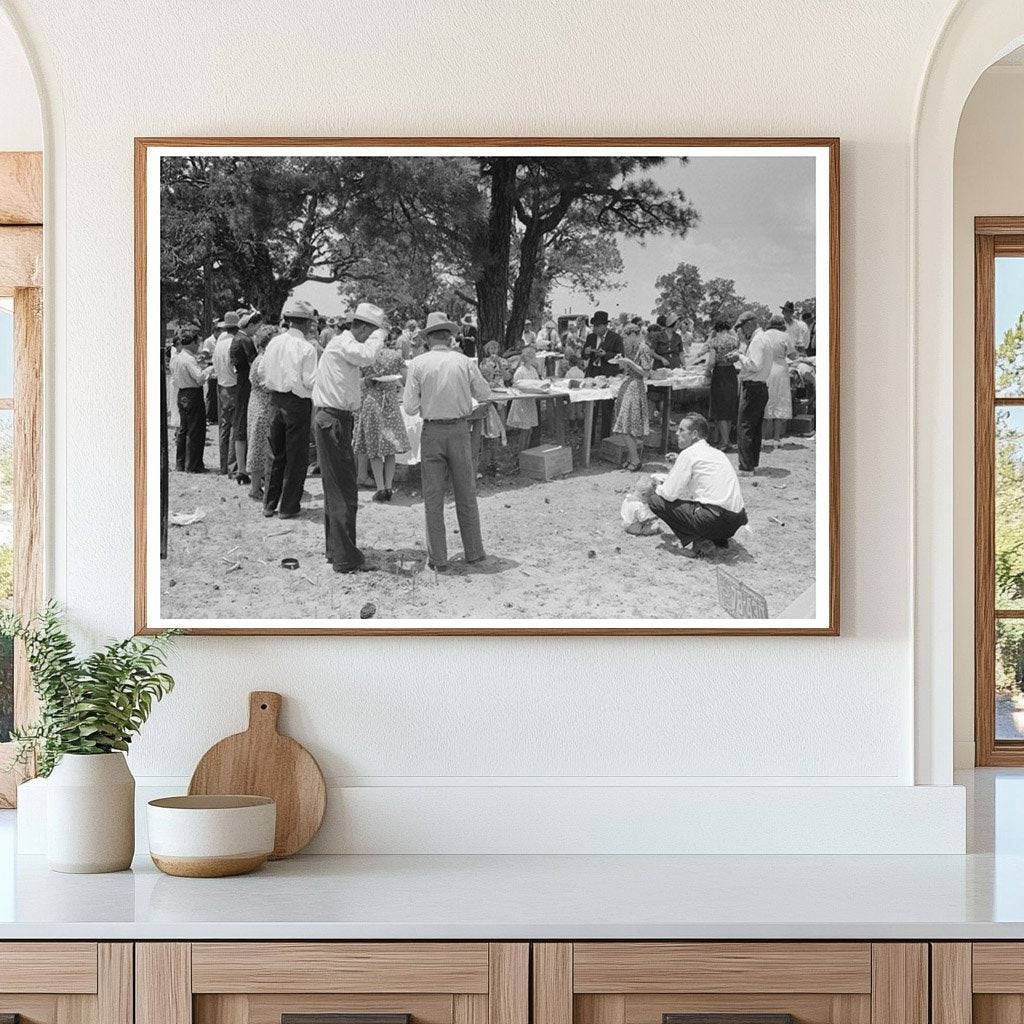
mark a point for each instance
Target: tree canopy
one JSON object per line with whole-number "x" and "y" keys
{"x": 682, "y": 292}
{"x": 412, "y": 233}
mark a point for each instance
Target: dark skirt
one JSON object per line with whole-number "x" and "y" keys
{"x": 725, "y": 393}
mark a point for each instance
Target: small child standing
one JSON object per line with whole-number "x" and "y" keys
{"x": 522, "y": 413}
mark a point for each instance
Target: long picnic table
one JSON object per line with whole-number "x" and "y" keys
{"x": 561, "y": 395}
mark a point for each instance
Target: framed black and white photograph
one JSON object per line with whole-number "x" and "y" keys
{"x": 487, "y": 386}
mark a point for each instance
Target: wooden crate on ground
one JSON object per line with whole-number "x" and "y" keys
{"x": 546, "y": 461}
{"x": 612, "y": 449}
{"x": 801, "y": 426}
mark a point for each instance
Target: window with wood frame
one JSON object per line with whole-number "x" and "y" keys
{"x": 21, "y": 358}
{"x": 999, "y": 490}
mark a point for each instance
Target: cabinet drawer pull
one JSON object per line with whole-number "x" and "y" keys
{"x": 339, "y": 1018}
{"x": 728, "y": 1018}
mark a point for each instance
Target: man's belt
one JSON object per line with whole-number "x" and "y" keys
{"x": 458, "y": 419}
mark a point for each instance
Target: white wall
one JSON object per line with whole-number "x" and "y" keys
{"x": 442, "y": 714}
{"x": 988, "y": 181}
{"x": 21, "y": 123}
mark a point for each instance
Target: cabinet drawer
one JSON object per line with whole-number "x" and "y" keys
{"x": 48, "y": 967}
{"x": 340, "y": 967}
{"x": 66, "y": 982}
{"x": 635, "y": 967}
{"x": 732, "y": 982}
{"x": 263, "y": 982}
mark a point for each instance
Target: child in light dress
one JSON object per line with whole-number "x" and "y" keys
{"x": 522, "y": 413}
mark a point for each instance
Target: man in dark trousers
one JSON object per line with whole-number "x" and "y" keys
{"x": 602, "y": 345}
{"x": 700, "y": 498}
{"x": 441, "y": 387}
{"x": 337, "y": 396}
{"x": 289, "y": 371}
{"x": 189, "y": 378}
{"x": 754, "y": 365}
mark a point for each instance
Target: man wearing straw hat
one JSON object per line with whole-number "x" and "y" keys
{"x": 289, "y": 369}
{"x": 441, "y": 387}
{"x": 337, "y": 396}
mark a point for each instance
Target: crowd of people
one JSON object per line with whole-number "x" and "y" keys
{"x": 346, "y": 397}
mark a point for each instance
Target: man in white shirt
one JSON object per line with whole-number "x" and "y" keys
{"x": 337, "y": 396}
{"x": 441, "y": 386}
{"x": 755, "y": 366}
{"x": 798, "y": 332}
{"x": 189, "y": 378}
{"x": 227, "y": 388}
{"x": 700, "y": 498}
{"x": 289, "y": 371}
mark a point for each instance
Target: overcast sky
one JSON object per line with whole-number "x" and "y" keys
{"x": 756, "y": 227}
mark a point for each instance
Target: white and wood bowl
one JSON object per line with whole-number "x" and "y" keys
{"x": 211, "y": 836}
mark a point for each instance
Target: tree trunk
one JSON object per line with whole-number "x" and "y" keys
{"x": 529, "y": 252}
{"x": 492, "y": 281}
{"x": 207, "y": 296}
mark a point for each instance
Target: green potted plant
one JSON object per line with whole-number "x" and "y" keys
{"x": 89, "y": 710}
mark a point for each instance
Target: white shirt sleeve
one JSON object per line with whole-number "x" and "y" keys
{"x": 360, "y": 353}
{"x": 676, "y": 484}
{"x": 307, "y": 367}
{"x": 411, "y": 400}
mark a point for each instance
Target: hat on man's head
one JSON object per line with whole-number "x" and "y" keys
{"x": 787, "y": 305}
{"x": 368, "y": 313}
{"x": 230, "y": 320}
{"x": 298, "y": 309}
{"x": 244, "y": 321}
{"x": 187, "y": 333}
{"x": 599, "y": 317}
{"x": 744, "y": 318}
{"x": 777, "y": 322}
{"x": 439, "y": 322}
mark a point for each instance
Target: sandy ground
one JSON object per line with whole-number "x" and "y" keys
{"x": 556, "y": 549}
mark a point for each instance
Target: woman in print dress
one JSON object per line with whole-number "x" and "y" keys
{"x": 724, "y": 400}
{"x": 522, "y": 413}
{"x": 380, "y": 433}
{"x": 632, "y": 416}
{"x": 258, "y": 415}
{"x": 779, "y": 410}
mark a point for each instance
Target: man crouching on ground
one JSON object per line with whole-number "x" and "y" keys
{"x": 700, "y": 498}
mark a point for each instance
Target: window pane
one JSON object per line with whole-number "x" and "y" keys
{"x": 1009, "y": 322}
{"x": 6, "y": 566}
{"x": 1009, "y": 486}
{"x": 1009, "y": 679}
{"x": 6, "y": 349}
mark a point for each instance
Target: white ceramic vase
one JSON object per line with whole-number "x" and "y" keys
{"x": 90, "y": 814}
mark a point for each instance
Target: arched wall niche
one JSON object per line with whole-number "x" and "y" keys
{"x": 975, "y": 35}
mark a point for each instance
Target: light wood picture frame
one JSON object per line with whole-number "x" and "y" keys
{"x": 813, "y": 612}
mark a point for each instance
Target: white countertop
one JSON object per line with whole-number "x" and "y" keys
{"x": 532, "y": 897}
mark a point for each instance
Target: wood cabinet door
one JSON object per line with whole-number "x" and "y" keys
{"x": 332, "y": 983}
{"x": 66, "y": 982}
{"x": 979, "y": 982}
{"x": 730, "y": 983}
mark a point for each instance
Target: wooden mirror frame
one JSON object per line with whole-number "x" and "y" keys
{"x": 21, "y": 271}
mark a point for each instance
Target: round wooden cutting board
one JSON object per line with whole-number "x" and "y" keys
{"x": 262, "y": 762}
